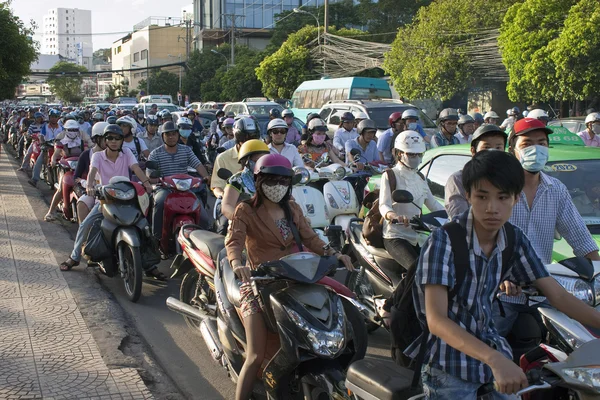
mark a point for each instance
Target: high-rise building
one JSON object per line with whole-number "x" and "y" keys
{"x": 68, "y": 32}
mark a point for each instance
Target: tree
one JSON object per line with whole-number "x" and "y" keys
{"x": 526, "y": 31}
{"x": 200, "y": 72}
{"x": 429, "y": 58}
{"x": 240, "y": 81}
{"x": 65, "y": 81}
{"x": 384, "y": 17}
{"x": 18, "y": 51}
{"x": 161, "y": 82}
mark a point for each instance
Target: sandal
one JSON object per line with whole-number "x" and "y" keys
{"x": 67, "y": 265}
{"x": 49, "y": 217}
{"x": 156, "y": 274}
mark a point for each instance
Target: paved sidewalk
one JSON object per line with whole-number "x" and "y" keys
{"x": 46, "y": 349}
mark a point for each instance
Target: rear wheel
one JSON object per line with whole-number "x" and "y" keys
{"x": 132, "y": 261}
{"x": 196, "y": 292}
{"x": 362, "y": 290}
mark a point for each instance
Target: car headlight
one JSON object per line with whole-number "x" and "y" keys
{"x": 120, "y": 194}
{"x": 182, "y": 185}
{"x": 577, "y": 287}
{"x": 589, "y": 376}
{"x": 324, "y": 343}
{"x": 305, "y": 175}
{"x": 72, "y": 164}
{"x": 339, "y": 173}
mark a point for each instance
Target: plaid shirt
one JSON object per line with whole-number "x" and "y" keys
{"x": 439, "y": 139}
{"x": 472, "y": 308}
{"x": 552, "y": 210}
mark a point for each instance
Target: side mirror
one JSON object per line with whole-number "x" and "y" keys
{"x": 152, "y": 165}
{"x": 155, "y": 174}
{"x": 402, "y": 196}
{"x": 224, "y": 174}
{"x": 355, "y": 152}
{"x": 220, "y": 150}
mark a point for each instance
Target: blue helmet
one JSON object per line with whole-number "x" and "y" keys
{"x": 54, "y": 113}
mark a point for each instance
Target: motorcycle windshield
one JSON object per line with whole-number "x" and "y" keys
{"x": 302, "y": 267}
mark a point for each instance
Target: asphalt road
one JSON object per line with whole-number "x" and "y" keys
{"x": 177, "y": 349}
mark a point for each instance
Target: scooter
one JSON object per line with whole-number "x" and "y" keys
{"x": 314, "y": 334}
{"x": 66, "y": 178}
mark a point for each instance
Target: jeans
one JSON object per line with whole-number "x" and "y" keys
{"x": 438, "y": 385}
{"x": 402, "y": 251}
{"x": 157, "y": 213}
{"x": 37, "y": 168}
{"x": 504, "y": 324}
{"x": 84, "y": 230}
{"x": 25, "y": 163}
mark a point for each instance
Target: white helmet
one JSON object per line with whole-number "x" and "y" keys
{"x": 410, "y": 142}
{"x": 71, "y": 124}
{"x": 317, "y": 123}
{"x": 410, "y": 113}
{"x": 183, "y": 122}
{"x": 491, "y": 114}
{"x": 129, "y": 121}
{"x": 98, "y": 129}
{"x": 538, "y": 114}
{"x": 593, "y": 117}
{"x": 360, "y": 115}
{"x": 277, "y": 123}
{"x": 525, "y": 113}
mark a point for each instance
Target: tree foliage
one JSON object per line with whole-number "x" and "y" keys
{"x": 66, "y": 87}
{"x": 384, "y": 17}
{"x": 161, "y": 82}
{"x": 18, "y": 51}
{"x": 428, "y": 58}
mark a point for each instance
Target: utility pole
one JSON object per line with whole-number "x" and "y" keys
{"x": 232, "y": 36}
{"x": 326, "y": 17}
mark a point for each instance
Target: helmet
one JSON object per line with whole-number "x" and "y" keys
{"x": 229, "y": 114}
{"x": 98, "y": 129}
{"x": 310, "y": 116}
{"x": 366, "y": 124}
{"x": 410, "y": 113}
{"x": 394, "y": 117}
{"x": 244, "y": 129}
{"x": 477, "y": 117}
{"x": 71, "y": 124}
{"x": 228, "y": 122}
{"x": 113, "y": 128}
{"x": 490, "y": 114}
{"x": 360, "y": 115}
{"x": 111, "y": 119}
{"x": 538, "y": 114}
{"x": 219, "y": 113}
{"x": 168, "y": 126}
{"x": 515, "y": 111}
{"x": 593, "y": 117}
{"x": 165, "y": 114}
{"x": 274, "y": 164}
{"x": 274, "y": 113}
{"x": 486, "y": 129}
{"x": 38, "y": 115}
{"x": 184, "y": 123}
{"x": 53, "y": 113}
{"x": 127, "y": 120}
{"x": 110, "y": 113}
{"x": 276, "y": 123}
{"x": 126, "y": 112}
{"x": 317, "y": 124}
{"x": 98, "y": 116}
{"x": 151, "y": 120}
{"x": 287, "y": 113}
{"x": 525, "y": 113}
{"x": 410, "y": 142}
{"x": 526, "y": 125}
{"x": 347, "y": 117}
{"x": 465, "y": 119}
{"x": 448, "y": 114}
{"x": 250, "y": 147}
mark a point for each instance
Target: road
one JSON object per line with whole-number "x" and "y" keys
{"x": 178, "y": 351}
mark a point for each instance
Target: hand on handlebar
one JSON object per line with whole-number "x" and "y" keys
{"x": 397, "y": 219}
{"x": 510, "y": 288}
{"x": 509, "y": 377}
{"x": 345, "y": 260}
{"x": 91, "y": 190}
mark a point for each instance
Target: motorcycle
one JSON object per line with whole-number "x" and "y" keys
{"x": 314, "y": 334}
{"x": 66, "y": 178}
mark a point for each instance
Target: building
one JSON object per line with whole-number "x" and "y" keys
{"x": 68, "y": 32}
{"x": 154, "y": 41}
{"x": 35, "y": 85}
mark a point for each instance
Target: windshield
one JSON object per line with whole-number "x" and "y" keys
{"x": 263, "y": 109}
{"x": 370, "y": 93}
{"x": 169, "y": 107}
{"x": 583, "y": 182}
{"x": 381, "y": 116}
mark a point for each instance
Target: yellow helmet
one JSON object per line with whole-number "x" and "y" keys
{"x": 250, "y": 147}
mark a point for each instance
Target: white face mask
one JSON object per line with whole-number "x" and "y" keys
{"x": 274, "y": 193}
{"x": 596, "y": 129}
{"x": 412, "y": 126}
{"x": 411, "y": 162}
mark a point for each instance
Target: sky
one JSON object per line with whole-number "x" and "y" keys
{"x": 107, "y": 15}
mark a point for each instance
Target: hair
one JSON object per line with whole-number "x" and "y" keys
{"x": 498, "y": 168}
{"x": 475, "y": 142}
{"x": 258, "y": 197}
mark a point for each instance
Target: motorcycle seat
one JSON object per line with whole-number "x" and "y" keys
{"x": 209, "y": 243}
{"x": 381, "y": 379}
{"x": 231, "y": 284}
{"x": 375, "y": 251}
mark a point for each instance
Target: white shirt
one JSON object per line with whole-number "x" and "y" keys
{"x": 341, "y": 136}
{"x": 406, "y": 179}
{"x": 131, "y": 146}
{"x": 461, "y": 138}
{"x": 290, "y": 152}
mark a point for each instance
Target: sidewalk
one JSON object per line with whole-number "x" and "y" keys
{"x": 46, "y": 349}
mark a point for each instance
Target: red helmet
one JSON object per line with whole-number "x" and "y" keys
{"x": 394, "y": 117}
{"x": 274, "y": 164}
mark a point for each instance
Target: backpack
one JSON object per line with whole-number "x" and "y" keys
{"x": 405, "y": 326}
{"x": 138, "y": 147}
{"x": 373, "y": 225}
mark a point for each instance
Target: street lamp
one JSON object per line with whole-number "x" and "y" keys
{"x": 299, "y": 11}
{"x": 180, "y": 68}
{"x": 222, "y": 55}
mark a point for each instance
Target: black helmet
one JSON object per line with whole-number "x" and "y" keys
{"x": 274, "y": 113}
{"x": 112, "y": 119}
{"x": 152, "y": 120}
{"x": 311, "y": 116}
{"x": 486, "y": 129}
{"x": 244, "y": 129}
{"x": 219, "y": 113}
{"x": 113, "y": 128}
{"x": 347, "y": 117}
{"x": 165, "y": 114}
{"x": 168, "y": 126}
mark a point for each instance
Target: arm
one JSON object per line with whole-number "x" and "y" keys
{"x": 432, "y": 203}
{"x": 385, "y": 198}
{"x": 297, "y": 159}
{"x": 338, "y": 143}
{"x": 235, "y": 241}
{"x": 217, "y": 184}
{"x": 140, "y": 174}
{"x": 153, "y": 157}
{"x": 229, "y": 201}
{"x": 308, "y": 236}
{"x": 82, "y": 165}
{"x": 91, "y": 181}
{"x": 454, "y": 199}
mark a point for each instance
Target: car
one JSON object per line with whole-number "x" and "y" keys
{"x": 161, "y": 106}
{"x": 206, "y": 117}
{"x": 574, "y": 124}
{"x": 377, "y": 110}
{"x": 258, "y": 109}
{"x": 212, "y": 106}
{"x": 195, "y": 105}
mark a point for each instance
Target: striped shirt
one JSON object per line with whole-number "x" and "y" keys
{"x": 172, "y": 164}
{"x": 439, "y": 139}
{"x": 472, "y": 308}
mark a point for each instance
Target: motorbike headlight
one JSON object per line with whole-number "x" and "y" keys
{"x": 120, "y": 194}
{"x": 323, "y": 343}
{"x": 183, "y": 185}
{"x": 589, "y": 376}
{"x": 72, "y": 164}
{"x": 577, "y": 287}
{"x": 340, "y": 173}
{"x": 305, "y": 175}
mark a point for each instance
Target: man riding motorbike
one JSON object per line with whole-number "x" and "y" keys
{"x": 385, "y": 143}
{"x": 345, "y": 132}
{"x": 448, "y": 121}
{"x": 150, "y": 136}
{"x": 293, "y": 136}
{"x": 34, "y": 128}
{"x": 185, "y": 137}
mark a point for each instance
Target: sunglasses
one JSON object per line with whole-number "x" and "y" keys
{"x": 283, "y": 180}
{"x": 73, "y": 130}
{"x": 413, "y": 155}
{"x": 278, "y": 131}
{"x": 113, "y": 138}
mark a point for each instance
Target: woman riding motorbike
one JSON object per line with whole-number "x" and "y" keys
{"x": 316, "y": 144}
{"x": 265, "y": 226}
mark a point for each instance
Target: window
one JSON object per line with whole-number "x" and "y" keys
{"x": 325, "y": 113}
{"x": 136, "y": 75}
{"x": 67, "y": 25}
{"x": 136, "y": 57}
{"x": 440, "y": 170}
{"x": 144, "y": 54}
{"x": 336, "y": 114}
{"x": 67, "y": 18}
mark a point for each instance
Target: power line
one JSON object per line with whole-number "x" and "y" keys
{"x": 85, "y": 73}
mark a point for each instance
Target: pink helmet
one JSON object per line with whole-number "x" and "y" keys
{"x": 274, "y": 164}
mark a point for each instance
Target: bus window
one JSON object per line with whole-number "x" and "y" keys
{"x": 318, "y": 99}
{"x": 370, "y": 93}
{"x": 345, "y": 94}
{"x": 307, "y": 100}
{"x": 326, "y": 96}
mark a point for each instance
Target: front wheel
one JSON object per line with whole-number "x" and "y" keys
{"x": 132, "y": 261}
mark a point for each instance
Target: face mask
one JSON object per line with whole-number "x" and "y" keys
{"x": 185, "y": 132}
{"x": 318, "y": 139}
{"x": 596, "y": 129}
{"x": 411, "y": 162}
{"x": 534, "y": 158}
{"x": 275, "y": 193}
{"x": 251, "y": 164}
{"x": 412, "y": 126}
